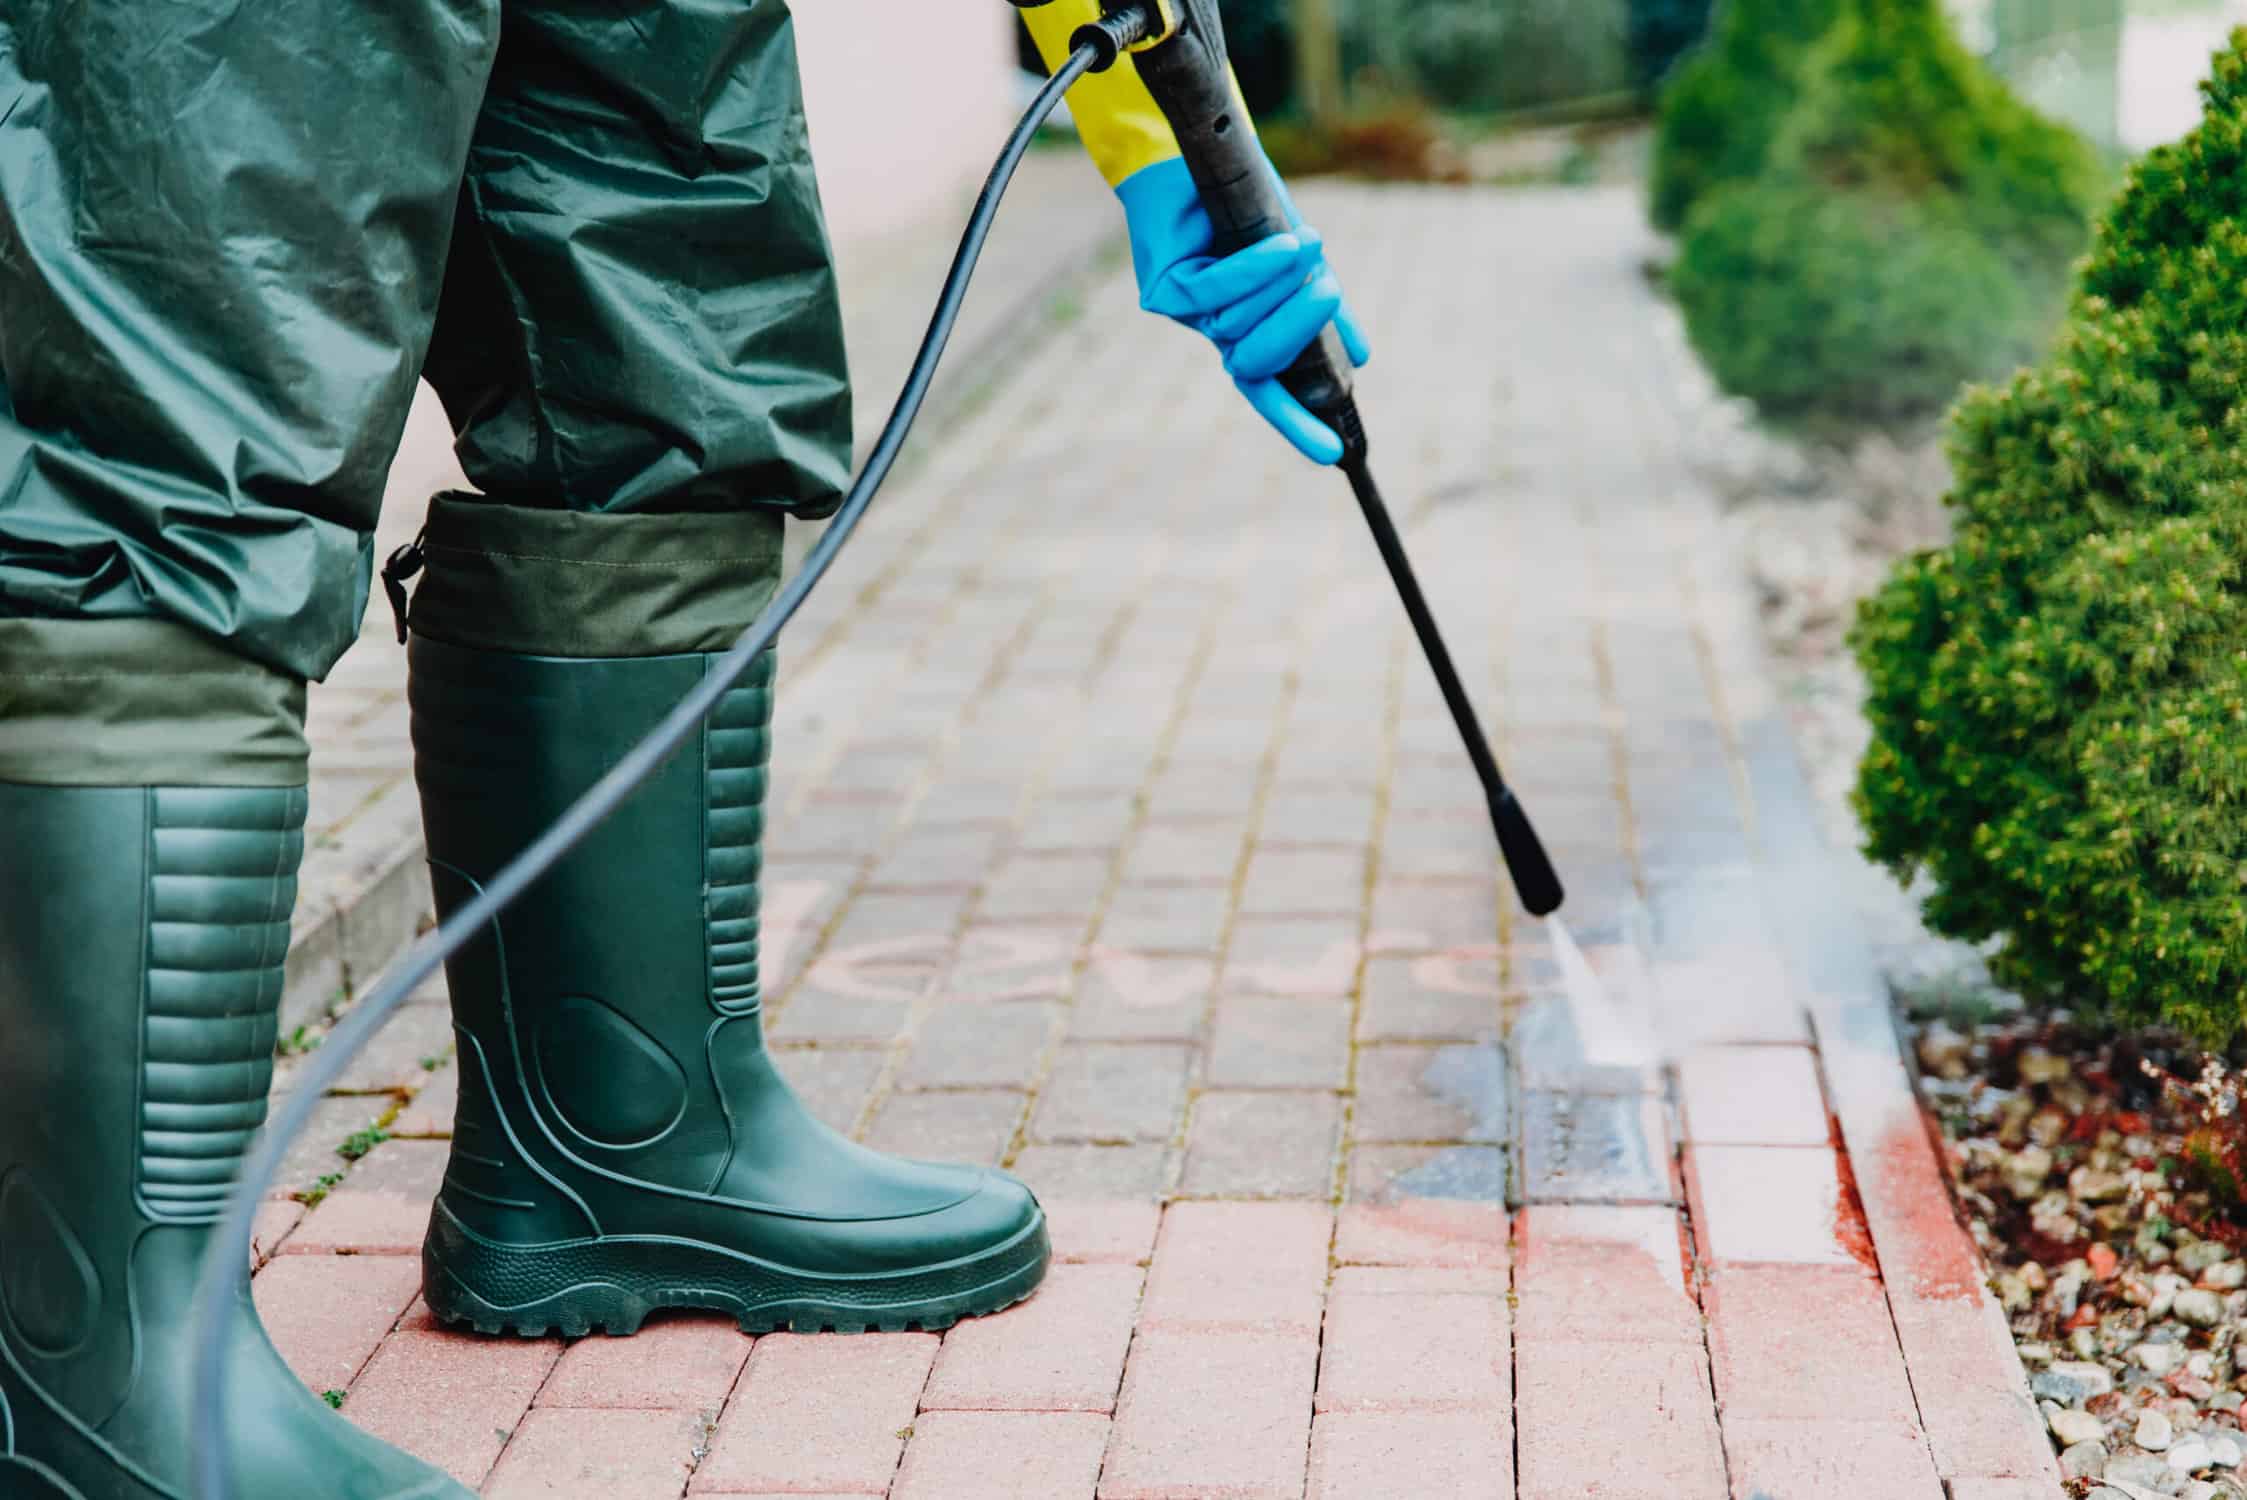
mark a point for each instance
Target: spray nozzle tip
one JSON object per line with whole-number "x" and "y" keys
{"x": 1535, "y": 880}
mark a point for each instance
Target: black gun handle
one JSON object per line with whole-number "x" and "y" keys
{"x": 1194, "y": 89}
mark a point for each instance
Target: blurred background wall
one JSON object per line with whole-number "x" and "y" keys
{"x": 906, "y": 104}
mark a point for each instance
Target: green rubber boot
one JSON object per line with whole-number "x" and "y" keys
{"x": 141, "y": 938}
{"x": 623, "y": 1142}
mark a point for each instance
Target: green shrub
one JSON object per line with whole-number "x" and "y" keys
{"x": 1660, "y": 32}
{"x": 1911, "y": 230}
{"x": 2059, "y": 696}
{"x": 1867, "y": 306}
{"x": 1722, "y": 106}
{"x": 1260, "y": 38}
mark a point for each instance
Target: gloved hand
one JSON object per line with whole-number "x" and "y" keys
{"x": 1261, "y": 306}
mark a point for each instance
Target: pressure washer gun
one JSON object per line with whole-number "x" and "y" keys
{"x": 1179, "y": 49}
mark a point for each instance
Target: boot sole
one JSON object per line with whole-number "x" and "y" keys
{"x": 612, "y": 1283}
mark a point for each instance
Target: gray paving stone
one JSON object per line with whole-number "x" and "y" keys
{"x": 1137, "y": 997}
{"x": 979, "y": 1043}
{"x": 1279, "y": 1144}
{"x": 1078, "y": 1171}
{"x": 1595, "y": 1148}
{"x": 1389, "y": 1174}
{"x": 395, "y": 1061}
{"x": 951, "y": 1125}
{"x": 1429, "y": 999}
{"x": 1279, "y": 1041}
{"x": 1113, "y": 1093}
{"x": 832, "y": 1082}
{"x": 1432, "y": 1094}
{"x": 1166, "y": 918}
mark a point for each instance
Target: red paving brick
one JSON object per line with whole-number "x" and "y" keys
{"x": 598, "y": 1455}
{"x": 1778, "y": 1205}
{"x": 1063, "y": 1350}
{"x": 1773, "y": 1336}
{"x": 275, "y": 1218}
{"x": 1616, "y": 1422}
{"x": 1841, "y": 1459}
{"x": 1753, "y": 1096}
{"x": 1213, "y": 1416}
{"x": 1102, "y": 1231}
{"x": 382, "y": 1207}
{"x": 360, "y": 1223}
{"x": 430, "y": 1112}
{"x": 1422, "y": 1232}
{"x": 1002, "y": 1455}
{"x": 819, "y": 1414}
{"x": 1972, "y": 1395}
{"x": 1259, "y": 1266}
{"x": 1424, "y": 1345}
{"x": 327, "y": 1313}
{"x": 1600, "y": 1272}
{"x": 1364, "y": 1455}
{"x": 679, "y": 1363}
{"x": 450, "y": 1399}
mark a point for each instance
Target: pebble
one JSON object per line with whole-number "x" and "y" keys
{"x": 2189, "y": 1453}
{"x": 2039, "y": 1066}
{"x": 2158, "y": 1359}
{"x": 1942, "y": 1051}
{"x": 2199, "y": 1307}
{"x": 2225, "y": 1451}
{"x": 2107, "y": 1492}
{"x": 2083, "y": 1461}
{"x": 2200, "y": 1255}
{"x": 2095, "y": 1379}
{"x": 2154, "y": 1433}
{"x": 2026, "y": 1171}
{"x": 2075, "y": 1428}
{"x": 2090, "y": 1185}
{"x": 2225, "y": 1275}
{"x": 2064, "y": 1385}
{"x": 2141, "y": 1472}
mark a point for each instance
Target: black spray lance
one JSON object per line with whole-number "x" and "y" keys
{"x": 1189, "y": 76}
{"x": 1191, "y": 79}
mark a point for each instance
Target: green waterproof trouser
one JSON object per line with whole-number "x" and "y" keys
{"x": 232, "y": 236}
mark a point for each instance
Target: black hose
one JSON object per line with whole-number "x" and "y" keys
{"x": 226, "y": 1265}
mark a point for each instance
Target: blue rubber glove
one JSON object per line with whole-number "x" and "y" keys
{"x": 1261, "y": 307}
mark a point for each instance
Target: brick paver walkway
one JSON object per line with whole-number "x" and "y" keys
{"x": 1121, "y": 839}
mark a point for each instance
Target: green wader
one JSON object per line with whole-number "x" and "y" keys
{"x": 230, "y": 238}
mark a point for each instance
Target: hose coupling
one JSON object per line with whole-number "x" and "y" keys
{"x": 1119, "y": 28}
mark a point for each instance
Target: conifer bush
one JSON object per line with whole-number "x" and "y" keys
{"x": 2058, "y": 697}
{"x": 1911, "y": 228}
{"x": 1723, "y": 103}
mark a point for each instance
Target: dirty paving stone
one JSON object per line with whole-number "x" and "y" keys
{"x": 1391, "y": 1174}
{"x": 1594, "y": 1148}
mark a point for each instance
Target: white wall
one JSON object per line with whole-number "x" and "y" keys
{"x": 908, "y": 99}
{"x": 2164, "y": 57}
